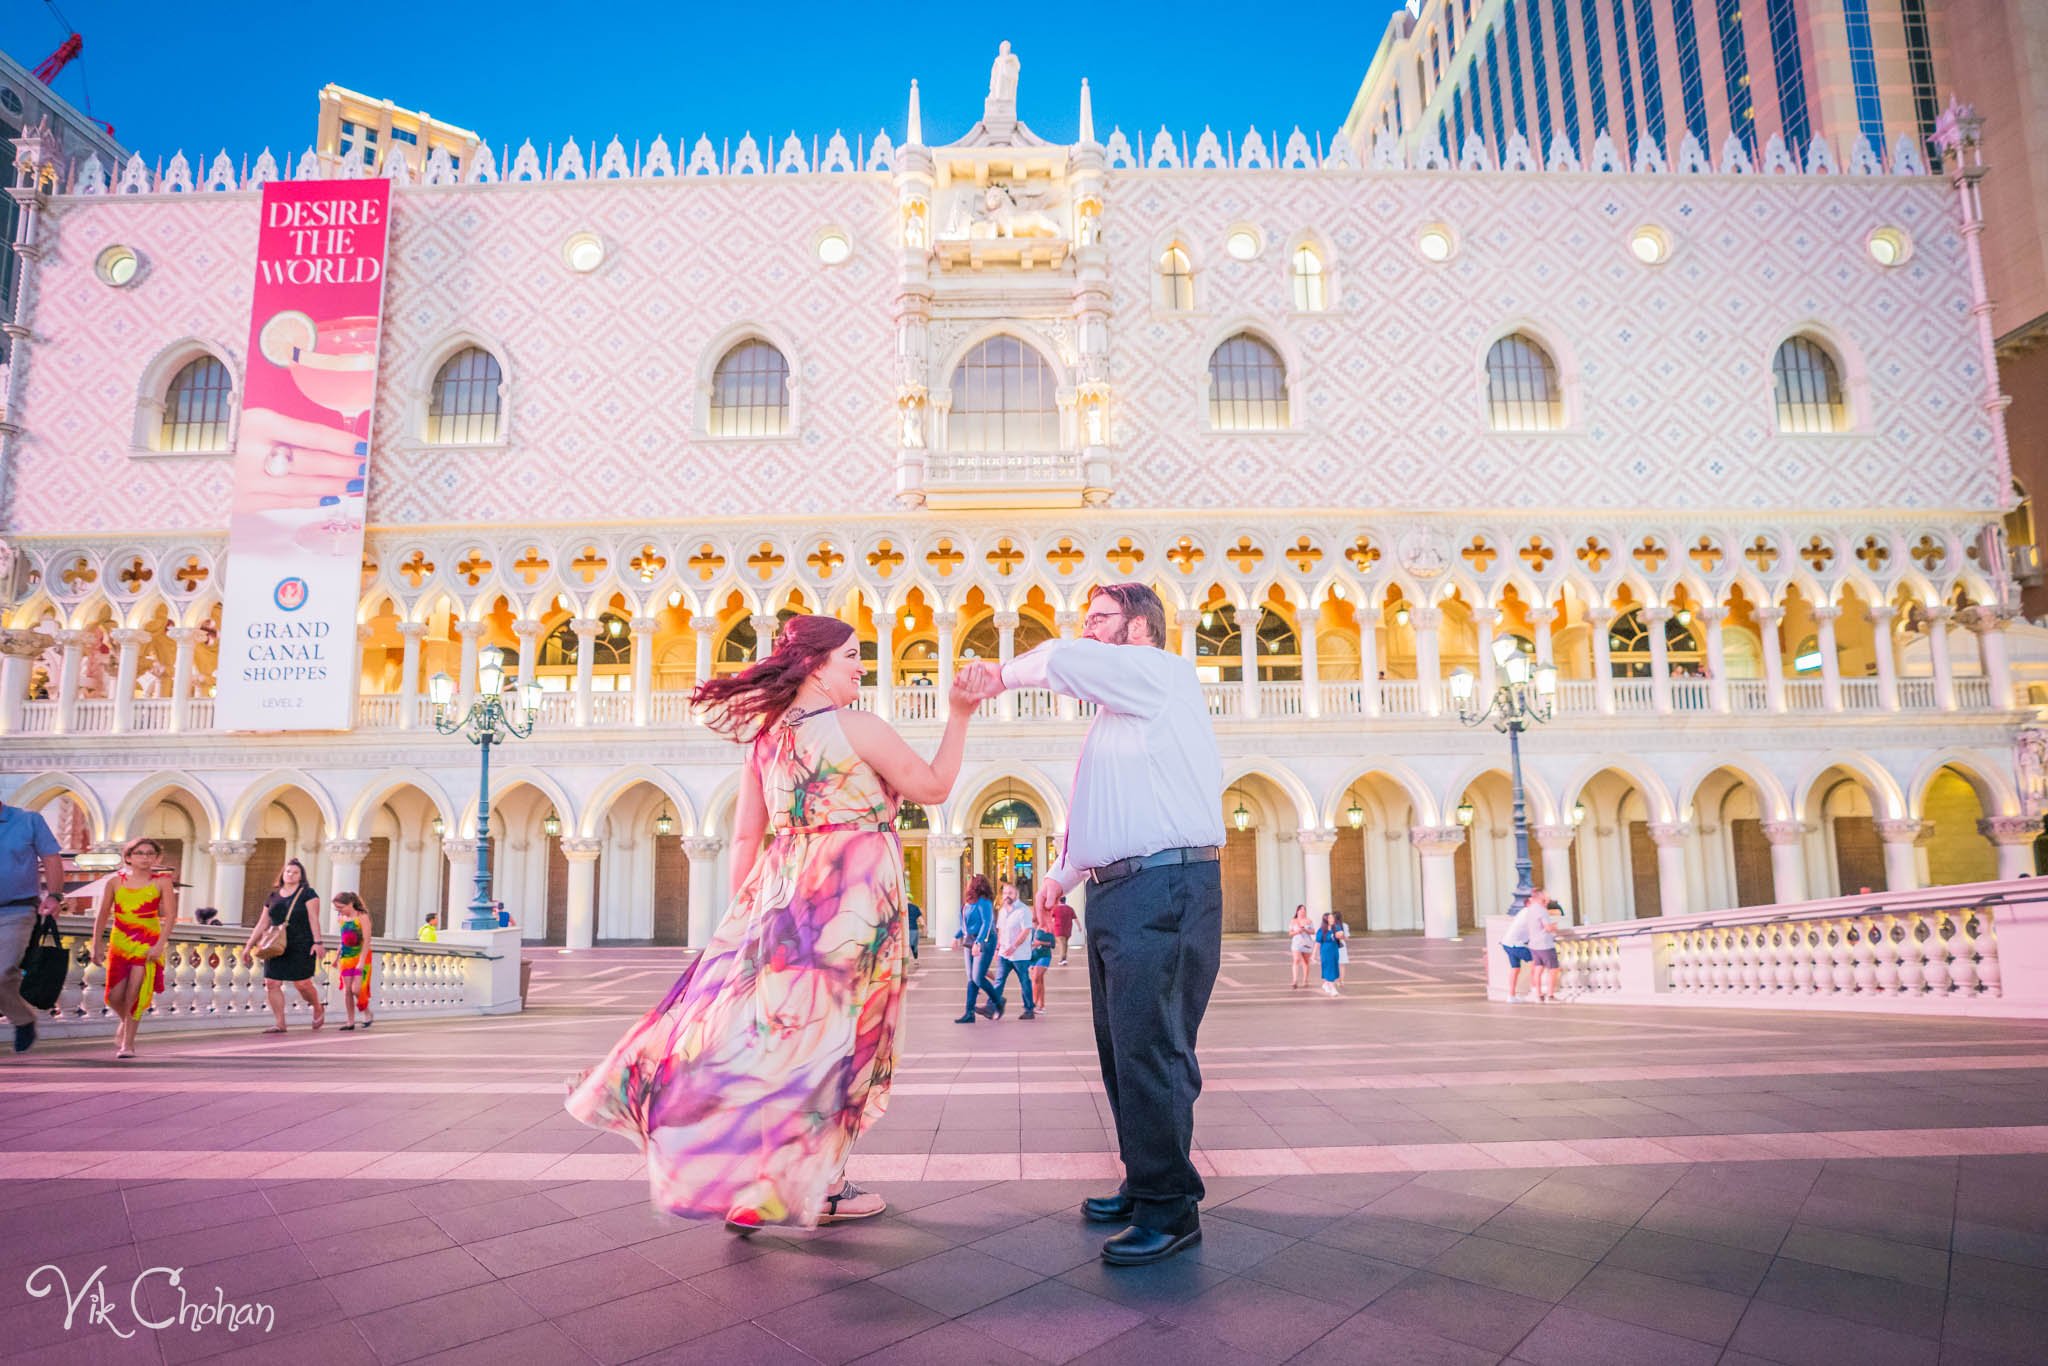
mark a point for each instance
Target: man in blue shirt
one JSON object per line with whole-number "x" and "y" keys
{"x": 28, "y": 852}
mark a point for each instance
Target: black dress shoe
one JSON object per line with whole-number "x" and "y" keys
{"x": 968, "y": 1018}
{"x": 25, "y": 1037}
{"x": 1107, "y": 1209}
{"x": 1140, "y": 1246}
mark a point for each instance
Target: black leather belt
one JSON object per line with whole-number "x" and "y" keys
{"x": 1165, "y": 858}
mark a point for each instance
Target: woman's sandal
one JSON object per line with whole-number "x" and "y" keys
{"x": 848, "y": 1191}
{"x": 744, "y": 1222}
{"x": 368, "y": 1021}
{"x": 275, "y": 1029}
{"x": 346, "y": 1029}
{"x": 319, "y": 1016}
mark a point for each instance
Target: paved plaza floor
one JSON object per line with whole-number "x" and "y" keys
{"x": 1407, "y": 1174}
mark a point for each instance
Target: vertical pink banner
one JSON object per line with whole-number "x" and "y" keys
{"x": 302, "y": 458}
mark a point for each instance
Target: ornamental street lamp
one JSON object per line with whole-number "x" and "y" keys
{"x": 1526, "y": 698}
{"x": 489, "y": 721}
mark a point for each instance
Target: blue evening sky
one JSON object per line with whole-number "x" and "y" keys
{"x": 240, "y": 75}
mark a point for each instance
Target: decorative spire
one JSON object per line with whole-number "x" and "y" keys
{"x": 1087, "y": 114}
{"x": 914, "y": 135}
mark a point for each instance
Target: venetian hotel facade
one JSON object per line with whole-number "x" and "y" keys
{"x": 1719, "y": 435}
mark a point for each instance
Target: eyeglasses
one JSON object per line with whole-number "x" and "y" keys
{"x": 1095, "y": 619}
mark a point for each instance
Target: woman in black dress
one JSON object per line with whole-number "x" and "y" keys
{"x": 294, "y": 907}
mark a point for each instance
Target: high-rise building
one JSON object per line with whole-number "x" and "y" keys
{"x": 1656, "y": 71}
{"x": 351, "y": 122}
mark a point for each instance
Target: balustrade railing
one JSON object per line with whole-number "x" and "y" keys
{"x": 1861, "y": 694}
{"x": 1400, "y": 697}
{"x": 1973, "y": 948}
{"x": 557, "y": 709}
{"x": 378, "y": 713}
{"x": 1224, "y": 699}
{"x": 611, "y": 709}
{"x": 1916, "y": 694}
{"x": 38, "y": 718}
{"x": 92, "y": 716}
{"x": 1691, "y": 695}
{"x": 211, "y": 981}
{"x": 1281, "y": 699}
{"x": 1974, "y": 694}
{"x": 1804, "y": 694}
{"x": 1633, "y": 697}
{"x": 150, "y": 715}
{"x": 1343, "y": 698}
{"x": 1748, "y": 696}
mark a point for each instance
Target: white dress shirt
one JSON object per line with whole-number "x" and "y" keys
{"x": 1150, "y": 776}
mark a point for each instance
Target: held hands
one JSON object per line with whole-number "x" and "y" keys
{"x": 974, "y": 684}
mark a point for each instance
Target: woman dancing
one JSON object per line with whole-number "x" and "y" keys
{"x": 137, "y": 911}
{"x": 747, "y": 1086}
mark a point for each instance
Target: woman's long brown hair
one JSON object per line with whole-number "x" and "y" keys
{"x": 740, "y": 704}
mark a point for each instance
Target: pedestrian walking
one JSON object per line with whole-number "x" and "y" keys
{"x": 287, "y": 938}
{"x": 1013, "y": 947}
{"x": 31, "y": 864}
{"x": 1301, "y": 945}
{"x": 1144, "y": 825}
{"x": 1063, "y": 925}
{"x": 1531, "y": 942}
{"x": 914, "y": 914}
{"x": 352, "y": 959}
{"x": 977, "y": 941}
{"x": 1042, "y": 938}
{"x": 755, "y": 1124}
{"x": 1330, "y": 943}
{"x": 131, "y": 936}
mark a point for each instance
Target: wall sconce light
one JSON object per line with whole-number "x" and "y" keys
{"x": 1465, "y": 813}
{"x": 664, "y": 824}
{"x": 551, "y": 825}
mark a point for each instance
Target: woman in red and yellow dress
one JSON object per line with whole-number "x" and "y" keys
{"x": 138, "y": 909}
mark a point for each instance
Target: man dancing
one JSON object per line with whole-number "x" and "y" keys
{"x": 1144, "y": 827}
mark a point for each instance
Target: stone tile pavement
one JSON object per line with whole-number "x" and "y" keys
{"x": 1407, "y": 1174}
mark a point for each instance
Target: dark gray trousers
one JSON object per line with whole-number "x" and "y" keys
{"x": 1155, "y": 940}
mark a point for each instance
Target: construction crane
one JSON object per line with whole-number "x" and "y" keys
{"x": 47, "y": 69}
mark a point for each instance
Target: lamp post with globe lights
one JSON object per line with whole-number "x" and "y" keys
{"x": 1526, "y": 697}
{"x": 488, "y": 721}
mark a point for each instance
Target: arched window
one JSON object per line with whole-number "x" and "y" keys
{"x": 1003, "y": 400}
{"x": 1809, "y": 387}
{"x": 1025, "y": 812}
{"x": 983, "y": 641}
{"x": 611, "y": 655}
{"x": 463, "y": 408}
{"x": 1628, "y": 644}
{"x": 1219, "y": 648}
{"x": 1176, "y": 280}
{"x": 750, "y": 392}
{"x": 1247, "y": 386}
{"x": 1436, "y": 57}
{"x": 196, "y": 408}
{"x": 1307, "y": 277}
{"x": 736, "y": 647}
{"x": 1522, "y": 392}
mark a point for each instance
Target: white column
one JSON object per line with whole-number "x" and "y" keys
{"x": 462, "y": 878}
{"x": 1717, "y": 658}
{"x": 1315, "y": 869}
{"x": 1671, "y": 878}
{"x": 230, "y": 876}
{"x": 1438, "y": 845}
{"x": 1788, "y": 859}
{"x": 1540, "y": 619}
{"x": 126, "y": 662}
{"x": 1767, "y": 619}
{"x": 344, "y": 874}
{"x": 1937, "y": 653}
{"x": 1901, "y": 852}
{"x": 1598, "y": 619}
{"x": 885, "y": 663}
{"x": 1429, "y": 667}
{"x": 1311, "y": 664}
{"x": 706, "y": 632}
{"x": 944, "y": 851}
{"x": 943, "y": 623}
{"x": 581, "y": 853}
{"x": 17, "y": 661}
{"x": 1484, "y": 619}
{"x": 469, "y": 632}
{"x": 1248, "y": 619}
{"x": 186, "y": 641}
{"x": 1654, "y": 619}
{"x": 1830, "y": 661}
{"x": 527, "y": 632}
{"x": 1369, "y": 658}
{"x": 409, "y": 633}
{"x": 764, "y": 625}
{"x": 586, "y": 629}
{"x": 1189, "y": 620}
{"x": 1887, "y": 662}
{"x": 1554, "y": 842}
{"x": 643, "y": 670}
{"x": 74, "y": 643}
{"x": 705, "y": 912}
{"x": 2014, "y": 838}
{"x": 1068, "y": 624}
{"x": 1006, "y": 650}
{"x": 1989, "y": 626}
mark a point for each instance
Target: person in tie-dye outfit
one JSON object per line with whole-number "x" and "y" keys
{"x": 137, "y": 911}
{"x": 748, "y": 1084}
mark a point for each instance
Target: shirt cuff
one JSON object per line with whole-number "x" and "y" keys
{"x": 1029, "y": 670}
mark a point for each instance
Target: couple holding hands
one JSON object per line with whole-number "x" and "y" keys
{"x": 748, "y": 1084}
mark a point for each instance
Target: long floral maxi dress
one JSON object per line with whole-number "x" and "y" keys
{"x": 750, "y": 1081}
